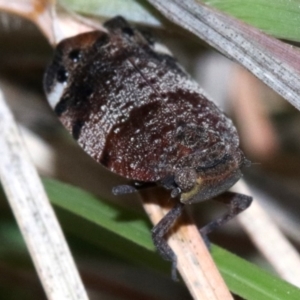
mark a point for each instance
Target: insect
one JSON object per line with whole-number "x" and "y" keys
{"x": 134, "y": 109}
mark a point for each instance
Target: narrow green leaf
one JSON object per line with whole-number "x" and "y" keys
{"x": 251, "y": 282}
{"x": 125, "y": 223}
{"x": 107, "y": 221}
{"x": 110, "y": 242}
{"x": 136, "y": 11}
{"x": 280, "y": 18}
{"x": 114, "y": 229}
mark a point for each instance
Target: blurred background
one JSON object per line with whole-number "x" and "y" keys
{"x": 268, "y": 128}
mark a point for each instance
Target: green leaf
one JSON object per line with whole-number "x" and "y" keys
{"x": 136, "y": 11}
{"x": 115, "y": 229}
{"x": 280, "y": 18}
{"x": 125, "y": 223}
{"x": 128, "y": 234}
{"x": 249, "y": 281}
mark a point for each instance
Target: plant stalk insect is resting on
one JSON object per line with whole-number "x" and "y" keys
{"x": 132, "y": 107}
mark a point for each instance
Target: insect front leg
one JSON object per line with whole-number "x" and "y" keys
{"x": 123, "y": 189}
{"x": 158, "y": 235}
{"x": 236, "y": 203}
{"x": 128, "y": 189}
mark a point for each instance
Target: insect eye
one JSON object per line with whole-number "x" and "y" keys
{"x": 62, "y": 75}
{"x": 128, "y": 31}
{"x": 75, "y": 55}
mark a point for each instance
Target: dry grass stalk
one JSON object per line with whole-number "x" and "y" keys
{"x": 269, "y": 239}
{"x": 35, "y": 216}
{"x": 195, "y": 263}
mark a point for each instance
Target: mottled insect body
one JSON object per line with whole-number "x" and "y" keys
{"x": 135, "y": 110}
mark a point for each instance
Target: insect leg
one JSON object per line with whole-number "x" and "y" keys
{"x": 158, "y": 235}
{"x": 236, "y": 203}
{"x": 123, "y": 189}
{"x": 128, "y": 189}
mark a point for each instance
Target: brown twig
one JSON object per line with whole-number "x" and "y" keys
{"x": 195, "y": 263}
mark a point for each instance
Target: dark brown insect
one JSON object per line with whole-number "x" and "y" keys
{"x": 135, "y": 110}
